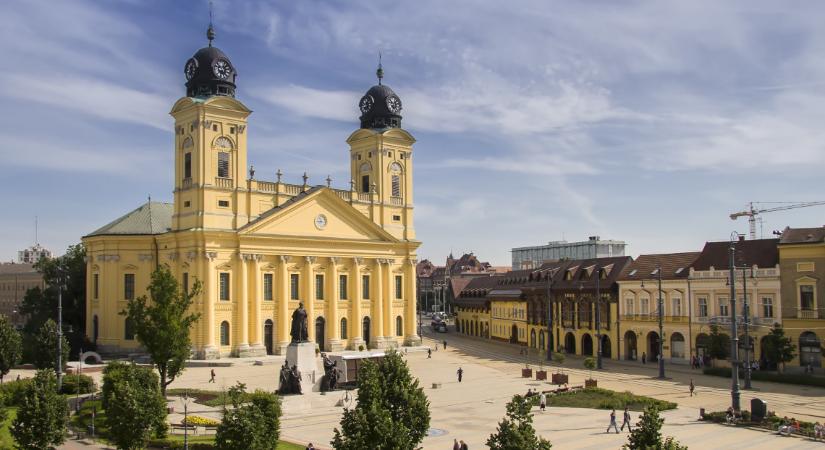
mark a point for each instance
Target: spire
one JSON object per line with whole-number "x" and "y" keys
{"x": 210, "y": 32}
{"x": 380, "y": 71}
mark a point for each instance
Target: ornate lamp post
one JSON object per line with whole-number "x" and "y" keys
{"x": 598, "y": 320}
{"x": 549, "y": 315}
{"x": 746, "y": 321}
{"x": 61, "y": 282}
{"x": 661, "y": 325}
{"x": 734, "y": 354}
{"x": 185, "y": 421}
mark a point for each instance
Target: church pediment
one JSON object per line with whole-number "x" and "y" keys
{"x": 317, "y": 214}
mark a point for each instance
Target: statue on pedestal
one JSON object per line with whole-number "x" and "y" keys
{"x": 289, "y": 380}
{"x": 330, "y": 380}
{"x": 299, "y": 325}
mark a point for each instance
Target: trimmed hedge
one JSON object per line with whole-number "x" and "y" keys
{"x": 12, "y": 392}
{"x": 771, "y": 422}
{"x": 774, "y": 377}
{"x": 170, "y": 444}
{"x": 599, "y": 398}
{"x": 71, "y": 383}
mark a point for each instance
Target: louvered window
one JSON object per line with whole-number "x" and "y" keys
{"x": 223, "y": 165}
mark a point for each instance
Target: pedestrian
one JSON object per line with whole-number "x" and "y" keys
{"x": 212, "y": 378}
{"x": 460, "y": 372}
{"x": 464, "y": 446}
{"x": 644, "y": 358}
{"x": 692, "y": 387}
{"x": 429, "y": 352}
{"x": 18, "y": 377}
{"x": 310, "y": 447}
{"x": 542, "y": 401}
{"x": 456, "y": 445}
{"x": 445, "y": 344}
{"x": 626, "y": 420}
{"x": 612, "y": 422}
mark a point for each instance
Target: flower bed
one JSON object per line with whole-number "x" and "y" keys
{"x": 199, "y": 421}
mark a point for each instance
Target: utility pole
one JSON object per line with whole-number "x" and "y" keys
{"x": 734, "y": 354}
{"x": 549, "y": 316}
{"x": 746, "y": 314}
{"x": 661, "y": 325}
{"x": 598, "y": 320}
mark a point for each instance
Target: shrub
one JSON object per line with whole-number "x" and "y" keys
{"x": 12, "y": 392}
{"x": 71, "y": 383}
{"x": 178, "y": 444}
{"x": 43, "y": 414}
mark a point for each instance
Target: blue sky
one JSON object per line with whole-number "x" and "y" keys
{"x": 648, "y": 122}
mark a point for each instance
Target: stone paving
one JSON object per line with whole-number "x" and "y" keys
{"x": 471, "y": 410}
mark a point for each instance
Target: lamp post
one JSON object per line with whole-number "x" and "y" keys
{"x": 185, "y": 420}
{"x": 598, "y": 321}
{"x": 746, "y": 314}
{"x": 734, "y": 389}
{"x": 661, "y": 325}
{"x": 61, "y": 279}
{"x": 77, "y": 389}
{"x": 549, "y": 315}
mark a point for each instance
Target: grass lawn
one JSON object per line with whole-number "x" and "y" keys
{"x": 598, "y": 398}
{"x": 204, "y": 397}
{"x": 6, "y": 441}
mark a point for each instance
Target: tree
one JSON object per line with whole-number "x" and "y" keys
{"x": 718, "y": 343}
{"x": 163, "y": 325}
{"x": 135, "y": 408}
{"x": 253, "y": 425}
{"x": 515, "y": 431}
{"x": 590, "y": 364}
{"x": 559, "y": 357}
{"x": 40, "y": 305}
{"x": 44, "y": 347}
{"x": 11, "y": 346}
{"x": 42, "y": 415}
{"x": 778, "y": 347}
{"x": 648, "y": 435}
{"x": 392, "y": 411}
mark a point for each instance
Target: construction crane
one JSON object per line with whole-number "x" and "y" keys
{"x": 752, "y": 212}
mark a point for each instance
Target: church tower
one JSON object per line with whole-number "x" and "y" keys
{"x": 210, "y": 144}
{"x": 381, "y": 160}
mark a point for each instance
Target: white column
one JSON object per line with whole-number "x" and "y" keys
{"x": 389, "y": 296}
{"x": 410, "y": 330}
{"x": 210, "y": 350}
{"x": 283, "y": 306}
{"x": 356, "y": 316}
{"x": 377, "y": 313}
{"x": 309, "y": 295}
{"x": 242, "y": 348}
{"x": 333, "y": 327}
{"x": 255, "y": 322}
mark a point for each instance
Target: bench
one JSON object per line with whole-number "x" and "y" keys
{"x": 180, "y": 426}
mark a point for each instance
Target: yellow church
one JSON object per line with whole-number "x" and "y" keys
{"x": 262, "y": 247}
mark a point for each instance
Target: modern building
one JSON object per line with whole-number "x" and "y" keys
{"x": 33, "y": 254}
{"x": 15, "y": 280}
{"x": 262, "y": 247}
{"x": 802, "y": 265}
{"x": 593, "y": 247}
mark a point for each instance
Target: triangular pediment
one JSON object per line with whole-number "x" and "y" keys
{"x": 317, "y": 214}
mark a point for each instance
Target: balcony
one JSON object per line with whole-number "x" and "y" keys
{"x": 655, "y": 318}
{"x": 396, "y": 201}
{"x": 186, "y": 184}
{"x": 808, "y": 314}
{"x": 228, "y": 183}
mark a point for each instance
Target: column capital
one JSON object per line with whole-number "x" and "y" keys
{"x": 250, "y": 256}
{"x": 191, "y": 255}
{"x": 210, "y": 255}
{"x": 285, "y": 258}
{"x": 412, "y": 261}
{"x": 357, "y": 260}
{"x": 173, "y": 256}
{"x": 334, "y": 259}
{"x": 309, "y": 259}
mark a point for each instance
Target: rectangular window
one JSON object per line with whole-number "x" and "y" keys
{"x": 268, "y": 286}
{"x": 342, "y": 287}
{"x": 187, "y": 204}
{"x": 223, "y": 165}
{"x": 398, "y": 287}
{"x": 644, "y": 306}
{"x": 723, "y": 306}
{"x": 224, "y": 285}
{"x": 630, "y": 307}
{"x": 806, "y": 297}
{"x": 703, "y": 306}
{"x": 396, "y": 186}
{"x": 185, "y": 282}
{"x": 294, "y": 291}
{"x": 677, "y": 307}
{"x": 187, "y": 165}
{"x": 365, "y": 183}
{"x": 129, "y": 286}
{"x": 365, "y": 286}
{"x": 767, "y": 307}
{"x": 223, "y": 203}
{"x": 319, "y": 287}
{"x": 96, "y": 285}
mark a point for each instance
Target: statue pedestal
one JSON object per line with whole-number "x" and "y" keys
{"x": 303, "y": 355}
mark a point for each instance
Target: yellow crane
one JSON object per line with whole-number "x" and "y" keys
{"x": 752, "y": 212}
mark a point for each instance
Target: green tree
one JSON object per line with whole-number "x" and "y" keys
{"x": 40, "y": 305}
{"x": 163, "y": 325}
{"x": 718, "y": 343}
{"x": 135, "y": 408}
{"x": 648, "y": 433}
{"x": 392, "y": 411}
{"x": 778, "y": 347}
{"x": 590, "y": 364}
{"x": 515, "y": 431}
{"x": 11, "y": 346}
{"x": 44, "y": 347}
{"x": 253, "y": 425}
{"x": 42, "y": 415}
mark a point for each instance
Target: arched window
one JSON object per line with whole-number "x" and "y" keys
{"x": 224, "y": 333}
{"x": 399, "y": 331}
{"x": 128, "y": 329}
{"x": 344, "y": 328}
{"x": 395, "y": 176}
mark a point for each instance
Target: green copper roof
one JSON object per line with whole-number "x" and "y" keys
{"x": 149, "y": 218}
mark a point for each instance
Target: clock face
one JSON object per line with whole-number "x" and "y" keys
{"x": 190, "y": 68}
{"x": 394, "y": 104}
{"x": 321, "y": 221}
{"x": 366, "y": 103}
{"x": 221, "y": 69}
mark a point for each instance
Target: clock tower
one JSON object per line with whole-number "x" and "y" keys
{"x": 381, "y": 160}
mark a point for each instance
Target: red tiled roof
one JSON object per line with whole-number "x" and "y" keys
{"x": 802, "y": 235}
{"x": 754, "y": 252}
{"x": 674, "y": 266}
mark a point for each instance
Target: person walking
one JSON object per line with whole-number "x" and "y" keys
{"x": 429, "y": 352}
{"x": 612, "y": 422}
{"x": 445, "y": 344}
{"x": 542, "y": 401}
{"x": 310, "y": 446}
{"x": 212, "y": 378}
{"x": 464, "y": 446}
{"x": 460, "y": 372}
{"x": 644, "y": 358}
{"x": 456, "y": 445}
{"x": 626, "y": 420}
{"x": 692, "y": 387}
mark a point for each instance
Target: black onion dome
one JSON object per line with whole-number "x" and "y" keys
{"x": 209, "y": 72}
{"x": 380, "y": 106}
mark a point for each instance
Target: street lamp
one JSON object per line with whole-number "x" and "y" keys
{"x": 598, "y": 321}
{"x": 746, "y": 314}
{"x": 734, "y": 390}
{"x": 661, "y": 314}
{"x": 61, "y": 280}
{"x": 185, "y": 420}
{"x": 549, "y": 279}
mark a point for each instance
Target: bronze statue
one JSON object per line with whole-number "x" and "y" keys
{"x": 299, "y": 325}
{"x": 295, "y": 380}
{"x": 330, "y": 380}
{"x": 283, "y": 379}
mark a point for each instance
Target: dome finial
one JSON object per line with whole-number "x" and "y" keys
{"x": 380, "y": 71}
{"x": 210, "y": 32}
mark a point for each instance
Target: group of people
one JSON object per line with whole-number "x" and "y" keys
{"x": 788, "y": 426}
{"x": 459, "y": 445}
{"x": 625, "y": 421}
{"x": 289, "y": 381}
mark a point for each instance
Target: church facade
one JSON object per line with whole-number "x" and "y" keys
{"x": 261, "y": 248}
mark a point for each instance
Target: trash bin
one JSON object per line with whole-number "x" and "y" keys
{"x": 759, "y": 409}
{"x": 702, "y": 413}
